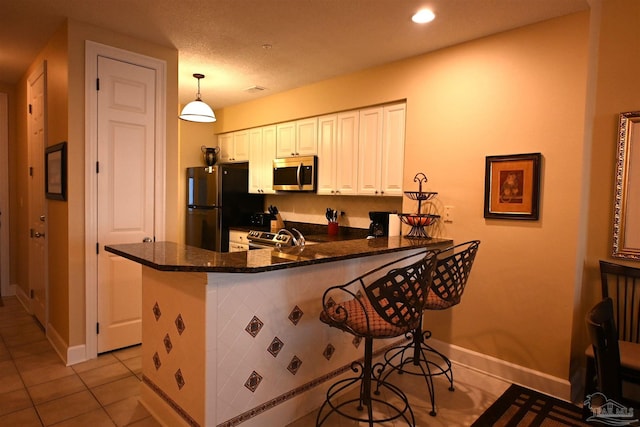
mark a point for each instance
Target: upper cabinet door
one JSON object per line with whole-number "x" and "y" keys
{"x": 369, "y": 151}
{"x": 307, "y": 137}
{"x": 393, "y": 149}
{"x": 327, "y": 157}
{"x": 225, "y": 143}
{"x": 347, "y": 153}
{"x": 241, "y": 146}
{"x": 262, "y": 151}
{"x": 299, "y": 138}
{"x": 286, "y": 139}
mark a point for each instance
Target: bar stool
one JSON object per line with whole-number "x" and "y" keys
{"x": 417, "y": 357}
{"x": 385, "y": 302}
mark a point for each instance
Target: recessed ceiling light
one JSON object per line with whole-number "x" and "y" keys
{"x": 423, "y": 16}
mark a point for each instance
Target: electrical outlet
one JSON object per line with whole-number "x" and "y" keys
{"x": 448, "y": 214}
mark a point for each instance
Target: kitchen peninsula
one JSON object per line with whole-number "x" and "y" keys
{"x": 234, "y": 338}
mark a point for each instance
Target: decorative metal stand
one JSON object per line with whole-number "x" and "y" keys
{"x": 419, "y": 221}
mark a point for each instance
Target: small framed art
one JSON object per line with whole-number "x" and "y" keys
{"x": 512, "y": 186}
{"x": 55, "y": 172}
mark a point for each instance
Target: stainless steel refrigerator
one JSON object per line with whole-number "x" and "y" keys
{"x": 218, "y": 198}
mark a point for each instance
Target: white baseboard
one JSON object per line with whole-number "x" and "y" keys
{"x": 76, "y": 354}
{"x": 507, "y": 371}
{"x": 69, "y": 355}
{"x": 23, "y": 299}
{"x": 58, "y": 344}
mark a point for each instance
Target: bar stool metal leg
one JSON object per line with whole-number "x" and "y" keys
{"x": 335, "y": 401}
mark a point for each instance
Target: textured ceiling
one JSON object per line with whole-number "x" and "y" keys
{"x": 311, "y": 40}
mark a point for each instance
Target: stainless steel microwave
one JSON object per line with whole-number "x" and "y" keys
{"x": 295, "y": 173}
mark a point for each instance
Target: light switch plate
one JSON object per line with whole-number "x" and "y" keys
{"x": 448, "y": 214}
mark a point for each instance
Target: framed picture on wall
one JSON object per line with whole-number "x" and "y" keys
{"x": 512, "y": 186}
{"x": 55, "y": 172}
{"x": 626, "y": 215}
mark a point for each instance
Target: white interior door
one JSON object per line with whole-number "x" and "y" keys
{"x": 125, "y": 187}
{"x": 36, "y": 92}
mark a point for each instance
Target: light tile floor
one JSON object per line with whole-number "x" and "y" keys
{"x": 37, "y": 389}
{"x": 474, "y": 393}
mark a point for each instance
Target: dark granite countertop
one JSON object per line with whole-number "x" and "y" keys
{"x": 316, "y": 233}
{"x": 170, "y": 256}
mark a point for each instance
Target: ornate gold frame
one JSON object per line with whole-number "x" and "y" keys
{"x": 626, "y": 215}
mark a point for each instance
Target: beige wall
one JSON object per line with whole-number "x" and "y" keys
{"x": 10, "y": 90}
{"x": 518, "y": 92}
{"x": 65, "y": 58}
{"x": 55, "y": 55}
{"x": 78, "y": 33}
{"x": 618, "y": 90}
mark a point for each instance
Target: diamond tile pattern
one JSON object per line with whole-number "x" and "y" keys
{"x": 275, "y": 347}
{"x": 156, "y": 311}
{"x": 295, "y": 315}
{"x": 168, "y": 346}
{"x": 328, "y": 351}
{"x": 294, "y": 365}
{"x": 254, "y": 326}
{"x": 180, "y": 326}
{"x": 253, "y": 382}
{"x": 156, "y": 360}
{"x": 267, "y": 326}
{"x": 179, "y": 379}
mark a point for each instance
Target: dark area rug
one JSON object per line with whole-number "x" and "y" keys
{"x": 522, "y": 407}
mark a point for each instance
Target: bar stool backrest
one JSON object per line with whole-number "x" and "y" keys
{"x": 400, "y": 295}
{"x": 452, "y": 272}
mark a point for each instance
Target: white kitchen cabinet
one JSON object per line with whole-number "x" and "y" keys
{"x": 225, "y": 143}
{"x": 393, "y": 129}
{"x": 262, "y": 151}
{"x": 381, "y": 150}
{"x": 338, "y": 153}
{"x": 238, "y": 241}
{"x": 298, "y": 138}
{"x": 234, "y": 146}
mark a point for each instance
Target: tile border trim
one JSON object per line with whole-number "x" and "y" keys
{"x": 177, "y": 408}
{"x": 247, "y": 415}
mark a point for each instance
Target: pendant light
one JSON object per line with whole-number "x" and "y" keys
{"x": 198, "y": 111}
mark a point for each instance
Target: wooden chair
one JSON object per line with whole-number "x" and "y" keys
{"x": 621, "y": 284}
{"x": 608, "y": 394}
{"x": 385, "y": 302}
{"x": 449, "y": 281}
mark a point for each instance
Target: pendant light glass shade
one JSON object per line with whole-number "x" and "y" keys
{"x": 198, "y": 111}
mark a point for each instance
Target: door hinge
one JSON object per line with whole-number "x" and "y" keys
{"x": 30, "y": 170}
{"x": 30, "y": 109}
{"x": 98, "y": 84}
{"x": 31, "y": 294}
{"x": 97, "y": 167}
{"x": 97, "y": 248}
{"x": 97, "y": 328}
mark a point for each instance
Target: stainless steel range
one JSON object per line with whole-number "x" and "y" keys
{"x": 268, "y": 240}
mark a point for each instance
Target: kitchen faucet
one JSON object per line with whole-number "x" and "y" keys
{"x": 299, "y": 241}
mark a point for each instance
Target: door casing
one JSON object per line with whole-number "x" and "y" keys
{"x": 92, "y": 51}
